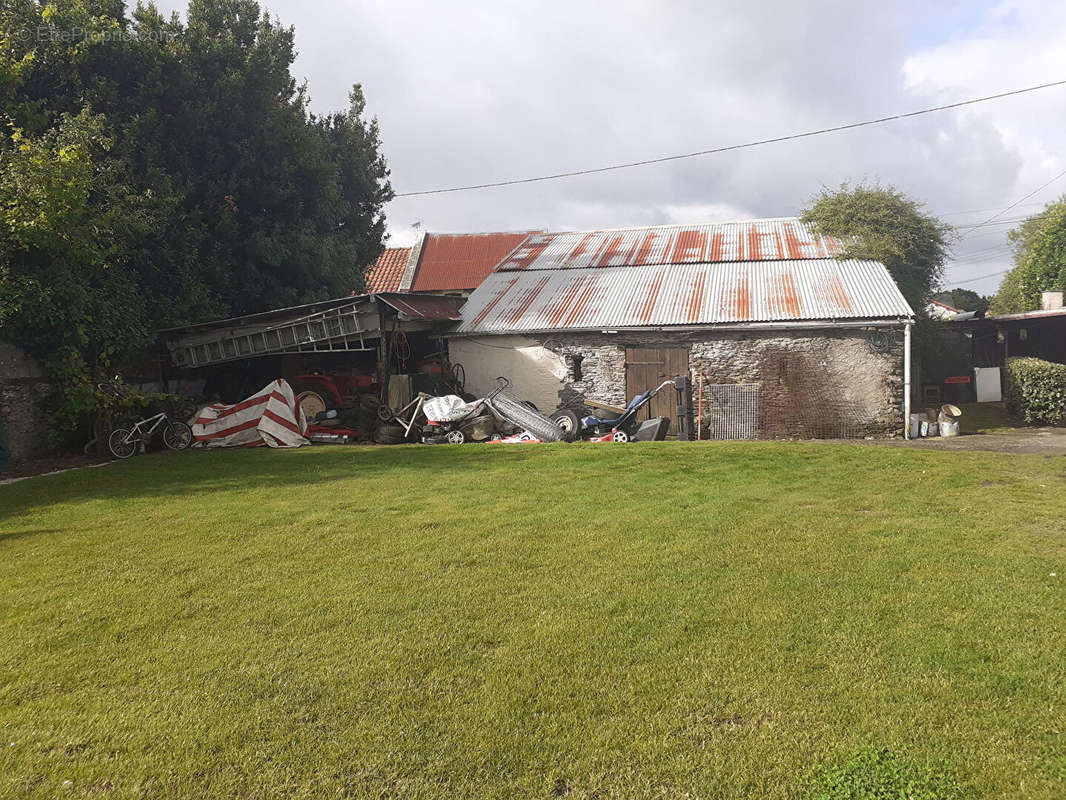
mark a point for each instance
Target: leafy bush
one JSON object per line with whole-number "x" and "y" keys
{"x": 880, "y": 774}
{"x": 1036, "y": 390}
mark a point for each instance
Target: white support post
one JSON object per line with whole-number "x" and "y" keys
{"x": 907, "y": 381}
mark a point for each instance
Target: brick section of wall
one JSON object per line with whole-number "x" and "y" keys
{"x": 23, "y": 386}
{"x": 813, "y": 384}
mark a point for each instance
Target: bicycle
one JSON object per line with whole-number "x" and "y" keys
{"x": 124, "y": 442}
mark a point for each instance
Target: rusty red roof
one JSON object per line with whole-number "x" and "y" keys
{"x": 461, "y": 261}
{"x": 754, "y": 240}
{"x": 762, "y": 271}
{"x": 386, "y": 272}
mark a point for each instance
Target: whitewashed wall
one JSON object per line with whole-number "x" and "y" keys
{"x": 537, "y": 373}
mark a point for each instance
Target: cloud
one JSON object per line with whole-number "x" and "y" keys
{"x": 474, "y": 92}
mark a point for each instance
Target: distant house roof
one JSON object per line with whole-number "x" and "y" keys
{"x": 942, "y": 311}
{"x": 774, "y": 270}
{"x": 460, "y": 261}
{"x": 385, "y": 274}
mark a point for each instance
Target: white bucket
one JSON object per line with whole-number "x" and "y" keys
{"x": 949, "y": 428}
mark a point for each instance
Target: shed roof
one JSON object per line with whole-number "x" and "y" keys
{"x": 461, "y": 261}
{"x": 385, "y": 274}
{"x": 754, "y": 240}
{"x": 762, "y": 271}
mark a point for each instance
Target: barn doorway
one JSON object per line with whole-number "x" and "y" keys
{"x": 646, "y": 368}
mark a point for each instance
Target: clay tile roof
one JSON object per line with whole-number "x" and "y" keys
{"x": 461, "y": 261}
{"x": 385, "y": 274}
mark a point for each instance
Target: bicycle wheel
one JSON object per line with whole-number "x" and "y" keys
{"x": 122, "y": 443}
{"x": 177, "y": 435}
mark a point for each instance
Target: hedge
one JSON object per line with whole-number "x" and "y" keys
{"x": 1036, "y": 390}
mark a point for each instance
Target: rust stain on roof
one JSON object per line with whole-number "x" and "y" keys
{"x": 644, "y": 250}
{"x": 526, "y": 300}
{"x": 610, "y": 250}
{"x": 501, "y": 292}
{"x": 688, "y": 247}
{"x": 651, "y": 295}
{"x": 694, "y": 302}
{"x": 837, "y": 295}
{"x": 579, "y": 251}
{"x": 784, "y": 299}
{"x": 756, "y": 240}
{"x": 584, "y": 304}
{"x": 736, "y": 301}
{"x": 557, "y": 307}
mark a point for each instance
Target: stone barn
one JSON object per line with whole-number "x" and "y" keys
{"x": 781, "y": 336}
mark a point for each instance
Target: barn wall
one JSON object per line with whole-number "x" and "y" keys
{"x": 537, "y": 372}
{"x": 23, "y": 385}
{"x": 813, "y": 384}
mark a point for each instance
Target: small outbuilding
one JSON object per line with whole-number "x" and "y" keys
{"x": 782, "y": 337}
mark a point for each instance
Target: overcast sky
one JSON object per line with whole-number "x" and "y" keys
{"x": 471, "y": 92}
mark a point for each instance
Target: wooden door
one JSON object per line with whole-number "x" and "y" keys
{"x": 646, "y": 368}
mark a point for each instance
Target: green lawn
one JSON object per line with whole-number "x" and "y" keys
{"x": 661, "y": 620}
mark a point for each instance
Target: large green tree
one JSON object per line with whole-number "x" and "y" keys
{"x": 1039, "y": 261}
{"x": 962, "y": 299}
{"x": 157, "y": 172}
{"x": 881, "y": 224}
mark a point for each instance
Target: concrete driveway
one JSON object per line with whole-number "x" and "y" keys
{"x": 1045, "y": 441}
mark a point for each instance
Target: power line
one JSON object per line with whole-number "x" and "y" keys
{"x": 711, "y": 151}
{"x": 1012, "y": 205}
{"x": 981, "y": 277}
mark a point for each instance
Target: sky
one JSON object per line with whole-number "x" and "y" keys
{"x": 473, "y": 92}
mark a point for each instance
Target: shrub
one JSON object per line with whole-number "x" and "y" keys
{"x": 1036, "y": 390}
{"x": 880, "y": 774}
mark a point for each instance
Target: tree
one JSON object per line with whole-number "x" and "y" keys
{"x": 878, "y": 223}
{"x": 962, "y": 299}
{"x": 157, "y": 173}
{"x": 1039, "y": 261}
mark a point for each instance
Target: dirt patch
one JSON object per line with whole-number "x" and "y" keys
{"x": 42, "y": 466}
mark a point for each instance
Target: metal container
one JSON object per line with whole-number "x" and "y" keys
{"x": 949, "y": 428}
{"x": 916, "y": 425}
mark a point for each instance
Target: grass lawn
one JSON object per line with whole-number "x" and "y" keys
{"x": 661, "y": 620}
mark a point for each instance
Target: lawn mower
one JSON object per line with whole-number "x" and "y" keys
{"x": 626, "y": 427}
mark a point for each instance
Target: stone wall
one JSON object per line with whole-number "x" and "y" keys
{"x": 22, "y": 389}
{"x": 824, "y": 383}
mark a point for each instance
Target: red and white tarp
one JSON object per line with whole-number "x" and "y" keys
{"x": 271, "y": 416}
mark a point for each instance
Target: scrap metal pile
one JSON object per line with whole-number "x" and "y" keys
{"x": 501, "y": 417}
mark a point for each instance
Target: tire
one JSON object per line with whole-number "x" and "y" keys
{"x": 177, "y": 435}
{"x": 454, "y": 437}
{"x": 385, "y": 413}
{"x": 311, "y": 402}
{"x": 389, "y": 434}
{"x": 119, "y": 446}
{"x": 620, "y": 436}
{"x": 569, "y": 421}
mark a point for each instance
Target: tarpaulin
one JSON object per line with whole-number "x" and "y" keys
{"x": 271, "y": 416}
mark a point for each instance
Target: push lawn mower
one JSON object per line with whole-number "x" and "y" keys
{"x": 626, "y": 427}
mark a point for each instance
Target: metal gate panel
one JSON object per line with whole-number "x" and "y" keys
{"x": 731, "y": 410}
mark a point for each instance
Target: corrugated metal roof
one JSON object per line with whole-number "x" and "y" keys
{"x": 461, "y": 261}
{"x": 384, "y": 275}
{"x": 682, "y": 294}
{"x": 754, "y": 240}
{"x": 426, "y": 306}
